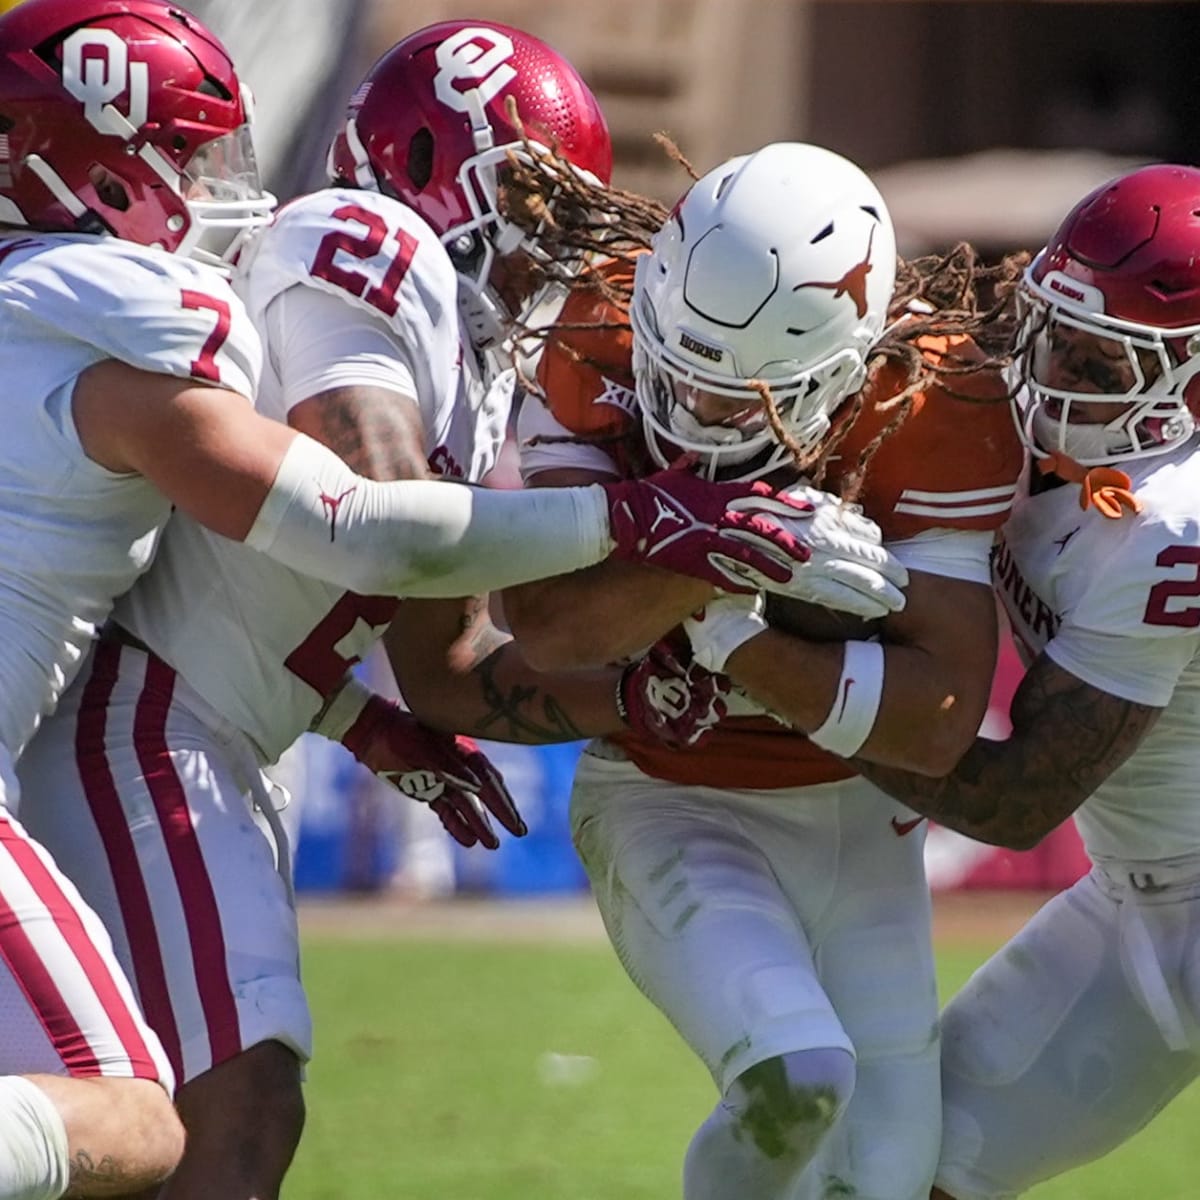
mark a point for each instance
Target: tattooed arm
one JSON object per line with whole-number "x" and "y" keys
{"x": 460, "y": 674}
{"x": 376, "y": 432}
{"x": 1067, "y": 738}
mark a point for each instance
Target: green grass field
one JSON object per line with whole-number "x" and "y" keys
{"x": 484, "y": 1071}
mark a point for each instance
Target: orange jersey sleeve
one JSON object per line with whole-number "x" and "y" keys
{"x": 586, "y": 369}
{"x": 953, "y": 463}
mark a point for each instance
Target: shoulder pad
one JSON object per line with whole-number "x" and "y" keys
{"x": 586, "y": 369}
{"x": 153, "y": 310}
{"x": 369, "y": 249}
{"x": 953, "y": 462}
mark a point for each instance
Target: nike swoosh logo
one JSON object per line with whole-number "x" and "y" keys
{"x": 904, "y": 828}
{"x": 846, "y": 686}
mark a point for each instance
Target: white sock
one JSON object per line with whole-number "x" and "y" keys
{"x": 34, "y": 1160}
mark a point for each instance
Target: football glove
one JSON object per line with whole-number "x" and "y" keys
{"x": 661, "y": 698}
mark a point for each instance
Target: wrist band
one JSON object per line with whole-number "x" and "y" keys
{"x": 851, "y": 718}
{"x": 622, "y": 709}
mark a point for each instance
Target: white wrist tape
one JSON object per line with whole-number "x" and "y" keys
{"x": 342, "y": 710}
{"x": 724, "y": 624}
{"x": 850, "y": 720}
{"x": 421, "y": 537}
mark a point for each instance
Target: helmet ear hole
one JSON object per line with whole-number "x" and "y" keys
{"x": 420, "y": 158}
{"x": 109, "y": 189}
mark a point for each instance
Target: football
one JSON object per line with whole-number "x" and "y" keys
{"x": 815, "y": 623}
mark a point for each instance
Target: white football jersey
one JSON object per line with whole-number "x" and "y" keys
{"x": 72, "y": 534}
{"x": 257, "y": 641}
{"x": 1117, "y": 603}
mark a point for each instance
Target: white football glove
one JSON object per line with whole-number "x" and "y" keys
{"x": 721, "y": 626}
{"x": 848, "y": 568}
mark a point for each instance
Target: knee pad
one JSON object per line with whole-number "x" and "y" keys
{"x": 792, "y": 1099}
{"x": 34, "y": 1159}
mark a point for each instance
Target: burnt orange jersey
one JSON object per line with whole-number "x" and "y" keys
{"x": 952, "y": 464}
{"x": 585, "y": 373}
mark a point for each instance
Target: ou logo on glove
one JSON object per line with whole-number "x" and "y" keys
{"x": 96, "y": 70}
{"x": 670, "y": 697}
{"x": 478, "y": 56}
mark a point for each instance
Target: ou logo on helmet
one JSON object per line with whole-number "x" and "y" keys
{"x": 96, "y": 70}
{"x": 477, "y": 56}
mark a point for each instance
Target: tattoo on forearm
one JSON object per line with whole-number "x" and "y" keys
{"x": 521, "y": 713}
{"x": 1068, "y": 737}
{"x": 86, "y": 1172}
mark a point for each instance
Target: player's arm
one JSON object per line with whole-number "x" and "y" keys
{"x": 459, "y": 673}
{"x": 375, "y": 431}
{"x": 599, "y": 615}
{"x": 257, "y": 480}
{"x": 930, "y": 674}
{"x": 1068, "y": 737}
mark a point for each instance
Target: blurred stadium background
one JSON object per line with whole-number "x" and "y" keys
{"x": 479, "y": 1050}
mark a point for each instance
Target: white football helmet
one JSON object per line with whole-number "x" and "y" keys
{"x": 778, "y": 267}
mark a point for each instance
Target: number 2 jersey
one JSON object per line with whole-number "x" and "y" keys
{"x": 1117, "y": 604}
{"x": 74, "y": 535}
{"x": 937, "y": 487}
{"x": 346, "y": 288}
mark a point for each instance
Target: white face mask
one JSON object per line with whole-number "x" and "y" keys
{"x": 1096, "y": 388}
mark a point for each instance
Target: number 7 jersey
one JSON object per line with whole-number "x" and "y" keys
{"x": 72, "y": 534}
{"x": 1117, "y": 604}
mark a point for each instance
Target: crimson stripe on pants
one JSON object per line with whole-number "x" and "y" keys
{"x": 91, "y": 757}
{"x": 36, "y": 978}
{"x": 200, "y": 909}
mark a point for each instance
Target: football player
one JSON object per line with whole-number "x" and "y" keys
{"x": 378, "y": 301}
{"x": 1078, "y": 1032}
{"x": 765, "y": 896}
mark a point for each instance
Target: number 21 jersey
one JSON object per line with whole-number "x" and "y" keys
{"x": 370, "y": 286}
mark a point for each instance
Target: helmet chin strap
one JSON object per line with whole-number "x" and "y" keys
{"x": 484, "y": 316}
{"x": 56, "y": 185}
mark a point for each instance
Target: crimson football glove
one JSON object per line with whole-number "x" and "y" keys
{"x": 449, "y": 773}
{"x": 724, "y": 533}
{"x": 661, "y": 698}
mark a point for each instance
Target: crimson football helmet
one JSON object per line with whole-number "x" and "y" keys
{"x": 778, "y": 267}
{"x": 125, "y": 117}
{"x": 1111, "y": 320}
{"x": 429, "y": 126}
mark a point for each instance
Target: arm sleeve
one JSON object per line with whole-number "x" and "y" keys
{"x": 422, "y": 538}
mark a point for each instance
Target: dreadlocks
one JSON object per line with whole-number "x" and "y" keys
{"x": 579, "y": 222}
{"x": 937, "y": 296}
